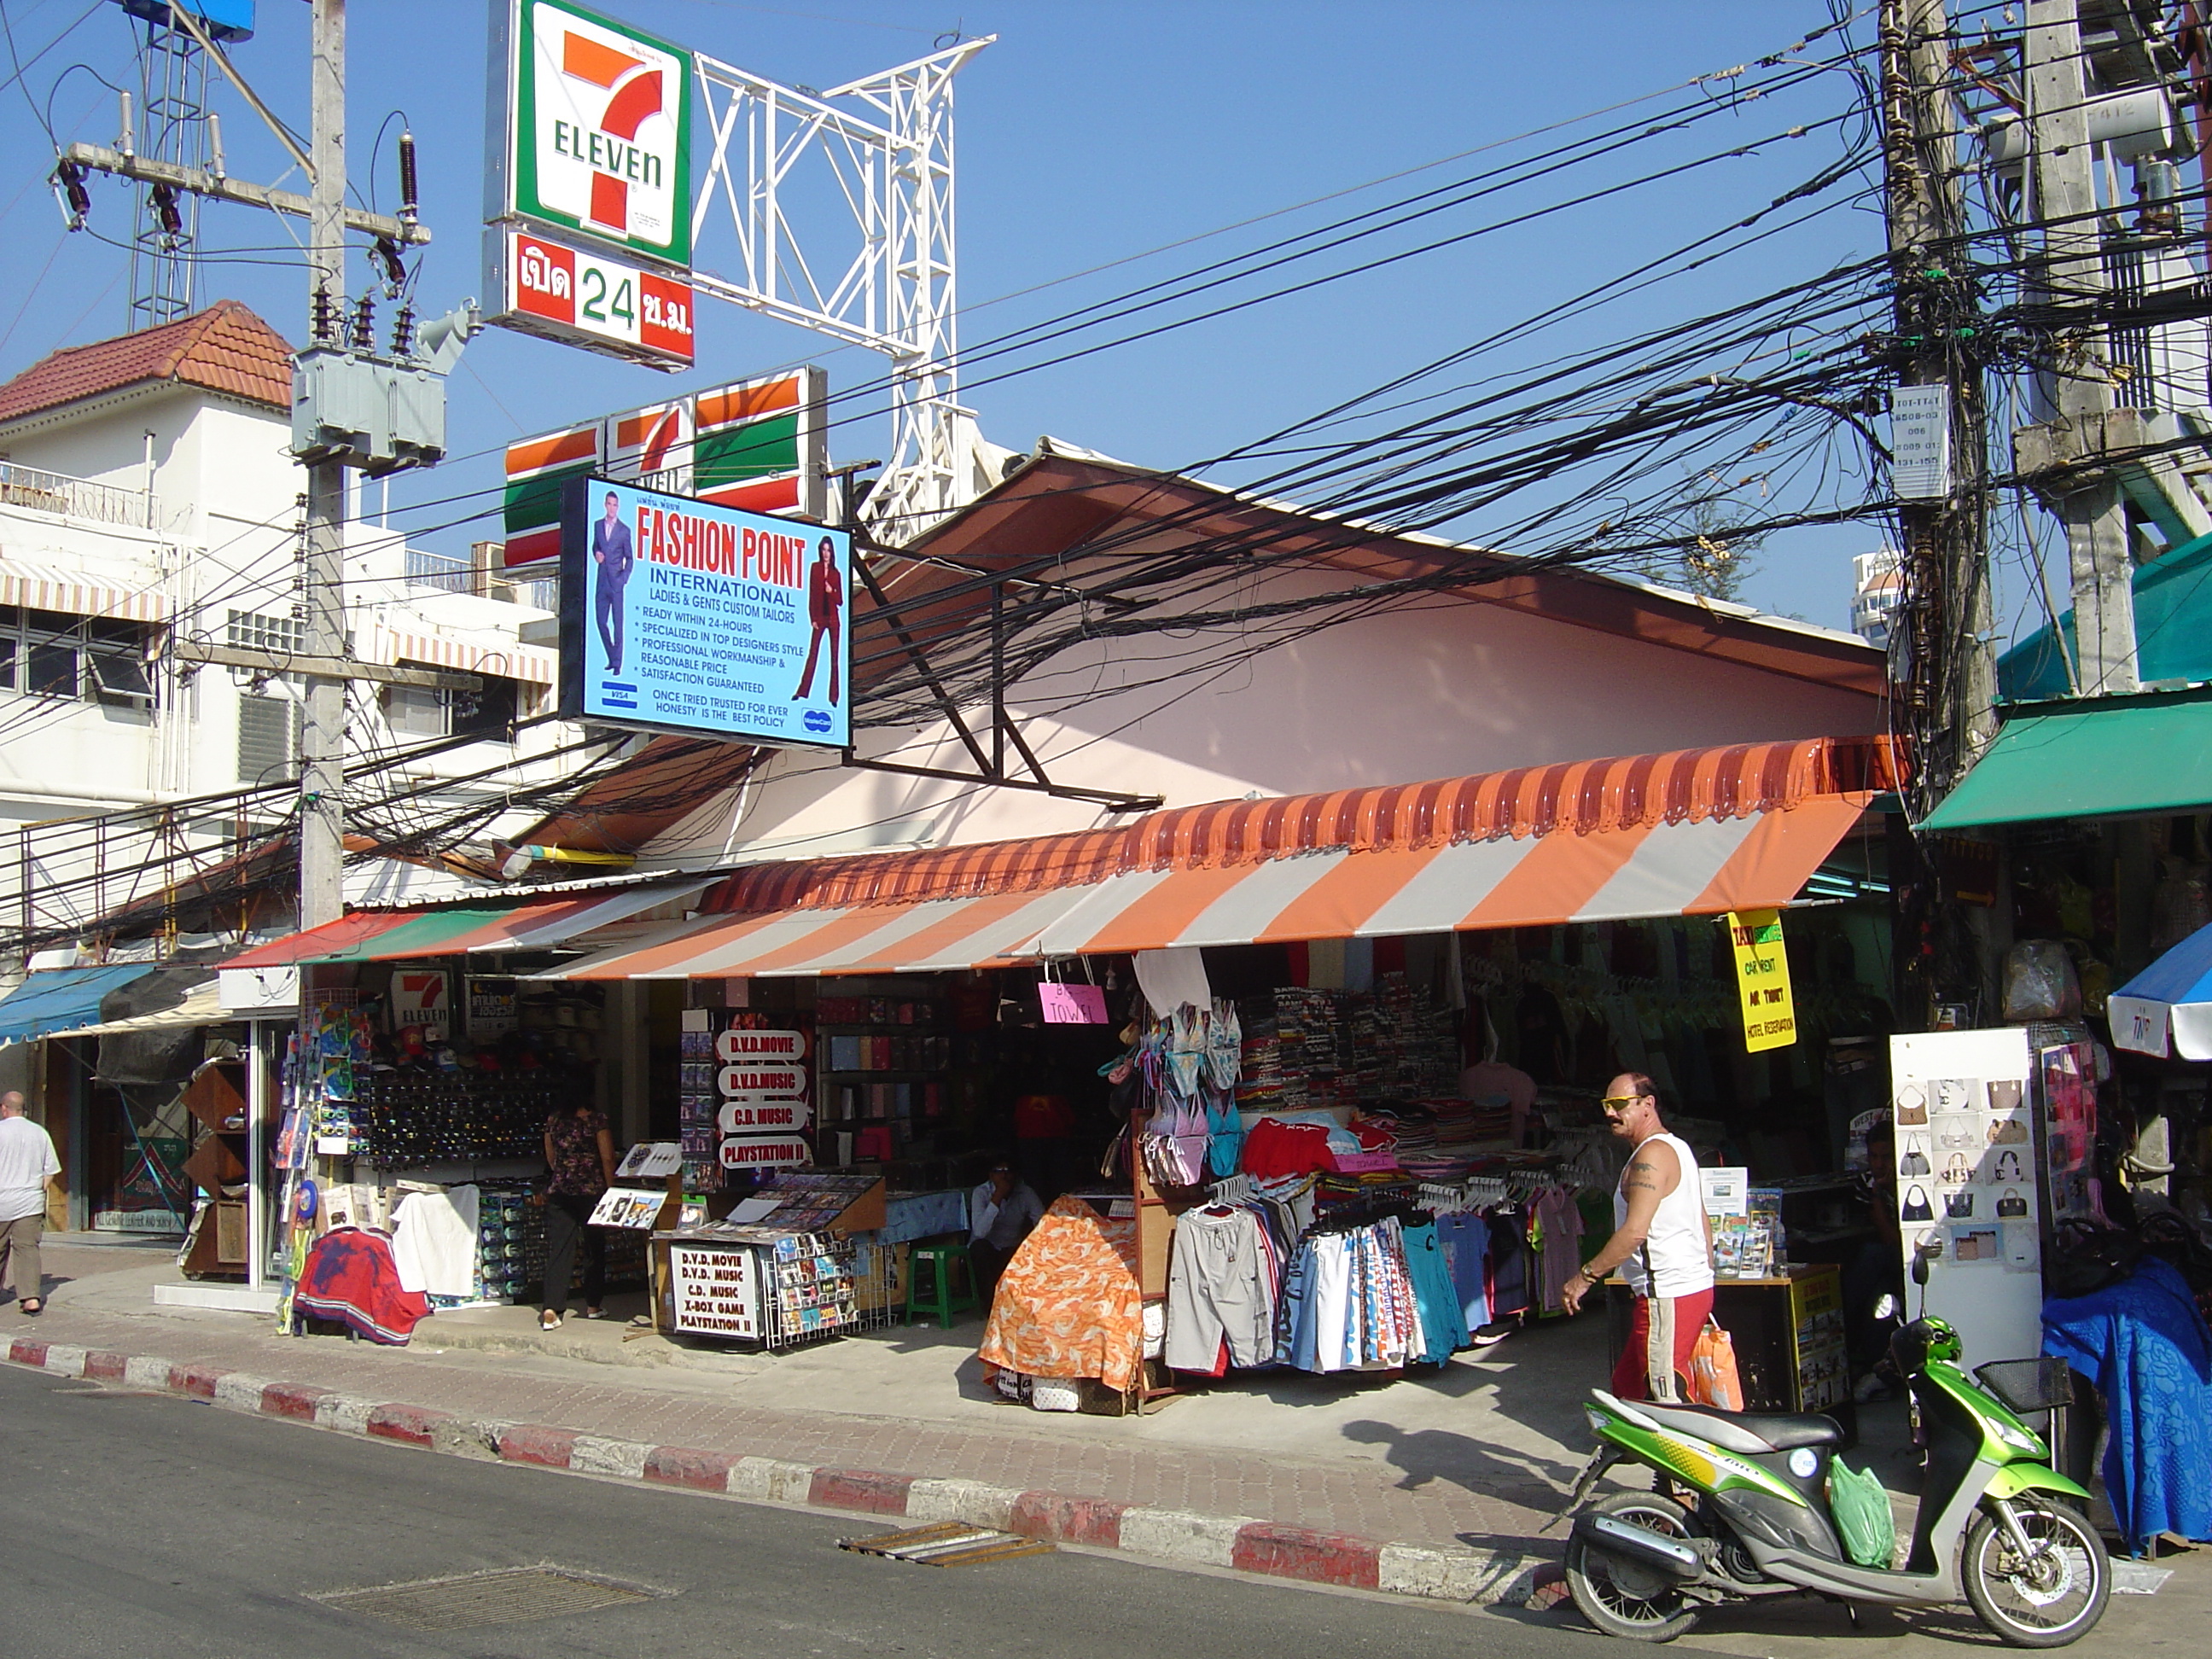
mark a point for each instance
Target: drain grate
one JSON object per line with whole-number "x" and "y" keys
{"x": 948, "y": 1544}
{"x": 507, "y": 1596}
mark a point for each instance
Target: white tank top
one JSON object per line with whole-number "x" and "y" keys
{"x": 1681, "y": 1263}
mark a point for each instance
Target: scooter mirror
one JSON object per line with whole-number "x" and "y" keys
{"x": 1920, "y": 1259}
{"x": 1887, "y": 1307}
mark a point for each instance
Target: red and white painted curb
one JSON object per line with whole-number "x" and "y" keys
{"x": 1484, "y": 1578}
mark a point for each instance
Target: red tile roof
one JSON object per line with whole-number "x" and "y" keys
{"x": 225, "y": 347}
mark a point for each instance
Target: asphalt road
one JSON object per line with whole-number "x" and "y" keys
{"x": 135, "y": 1524}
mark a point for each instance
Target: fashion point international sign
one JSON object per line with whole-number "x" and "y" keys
{"x": 679, "y": 615}
{"x": 598, "y": 130}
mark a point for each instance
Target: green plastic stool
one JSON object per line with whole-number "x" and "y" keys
{"x": 942, "y": 1301}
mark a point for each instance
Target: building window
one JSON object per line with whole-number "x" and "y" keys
{"x": 47, "y": 654}
{"x": 486, "y": 713}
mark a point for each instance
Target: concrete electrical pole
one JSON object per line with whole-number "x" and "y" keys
{"x": 322, "y": 573}
{"x": 1947, "y": 677}
{"x": 352, "y": 408}
{"x": 2063, "y": 180}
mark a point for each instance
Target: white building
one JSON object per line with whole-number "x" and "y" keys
{"x": 148, "y": 506}
{"x": 1877, "y": 585}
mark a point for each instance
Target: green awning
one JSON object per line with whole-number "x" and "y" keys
{"x": 2094, "y": 757}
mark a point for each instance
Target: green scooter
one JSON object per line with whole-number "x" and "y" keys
{"x": 1753, "y": 1519}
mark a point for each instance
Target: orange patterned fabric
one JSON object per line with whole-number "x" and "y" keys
{"x": 1582, "y": 798}
{"x": 1067, "y": 1304}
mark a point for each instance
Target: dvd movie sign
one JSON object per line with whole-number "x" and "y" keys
{"x": 753, "y": 1115}
{"x": 741, "y": 1047}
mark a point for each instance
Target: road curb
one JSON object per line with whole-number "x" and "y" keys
{"x": 1272, "y": 1549}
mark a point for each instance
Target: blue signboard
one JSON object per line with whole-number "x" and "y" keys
{"x": 680, "y": 616}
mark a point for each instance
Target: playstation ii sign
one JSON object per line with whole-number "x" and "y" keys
{"x": 597, "y": 137}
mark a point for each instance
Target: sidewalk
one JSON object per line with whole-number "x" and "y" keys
{"x": 1436, "y": 1484}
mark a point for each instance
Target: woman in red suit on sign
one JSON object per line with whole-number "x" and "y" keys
{"x": 825, "y": 607}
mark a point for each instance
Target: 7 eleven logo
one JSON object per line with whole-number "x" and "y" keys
{"x": 607, "y": 139}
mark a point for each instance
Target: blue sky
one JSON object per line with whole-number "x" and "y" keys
{"x": 1088, "y": 134}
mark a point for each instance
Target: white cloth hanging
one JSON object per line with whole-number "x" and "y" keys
{"x": 434, "y": 1242}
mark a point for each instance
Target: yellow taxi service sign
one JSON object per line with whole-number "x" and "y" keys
{"x": 1762, "y": 967}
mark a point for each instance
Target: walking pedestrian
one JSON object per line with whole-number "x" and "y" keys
{"x": 579, "y": 1151}
{"x": 28, "y": 1167}
{"x": 1663, "y": 1243}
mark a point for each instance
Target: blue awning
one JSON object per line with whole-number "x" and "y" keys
{"x": 61, "y": 1000}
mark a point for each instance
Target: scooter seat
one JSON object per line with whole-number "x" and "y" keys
{"x": 1745, "y": 1432}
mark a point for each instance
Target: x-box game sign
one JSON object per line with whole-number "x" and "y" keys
{"x": 594, "y": 134}
{"x": 678, "y": 615}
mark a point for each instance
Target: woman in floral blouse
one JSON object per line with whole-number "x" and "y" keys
{"x": 579, "y": 1151}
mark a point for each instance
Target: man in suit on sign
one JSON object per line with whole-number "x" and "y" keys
{"x": 612, "y": 552}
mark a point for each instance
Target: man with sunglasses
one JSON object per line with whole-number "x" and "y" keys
{"x": 1661, "y": 1241}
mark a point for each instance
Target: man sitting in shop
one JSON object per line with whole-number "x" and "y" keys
{"x": 1001, "y": 1211}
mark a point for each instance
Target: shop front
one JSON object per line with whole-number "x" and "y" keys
{"x": 2078, "y": 1224}
{"x": 407, "y": 1105}
{"x": 1271, "y": 1031}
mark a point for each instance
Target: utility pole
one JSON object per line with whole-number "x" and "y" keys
{"x": 353, "y": 408}
{"x": 2061, "y": 170}
{"x": 1945, "y": 674}
{"x": 322, "y": 565}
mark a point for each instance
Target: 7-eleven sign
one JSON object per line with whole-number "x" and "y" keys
{"x": 598, "y": 129}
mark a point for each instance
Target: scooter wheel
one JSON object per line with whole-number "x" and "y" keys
{"x": 2047, "y": 1602}
{"x": 1621, "y": 1598}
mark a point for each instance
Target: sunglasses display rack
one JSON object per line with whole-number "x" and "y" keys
{"x": 510, "y": 1245}
{"x": 404, "y": 1120}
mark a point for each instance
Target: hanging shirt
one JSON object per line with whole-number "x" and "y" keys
{"x": 1466, "y": 1242}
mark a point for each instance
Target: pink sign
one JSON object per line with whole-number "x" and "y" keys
{"x": 1072, "y": 1005}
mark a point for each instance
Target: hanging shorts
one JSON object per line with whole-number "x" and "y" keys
{"x": 1655, "y": 1364}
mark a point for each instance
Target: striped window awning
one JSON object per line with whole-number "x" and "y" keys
{"x": 1692, "y": 833}
{"x": 461, "y": 930}
{"x": 38, "y": 587}
{"x": 531, "y": 664}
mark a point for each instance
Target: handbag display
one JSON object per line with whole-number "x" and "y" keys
{"x": 1914, "y": 1163}
{"x": 2004, "y": 1095}
{"x": 2012, "y": 1206}
{"x": 1958, "y": 1206}
{"x": 1917, "y": 1207}
{"x": 2008, "y": 1166}
{"x": 1911, "y": 1106}
{"x": 2008, "y": 1132}
{"x": 1957, "y": 1172}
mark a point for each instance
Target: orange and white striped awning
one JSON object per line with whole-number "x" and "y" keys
{"x": 38, "y": 587}
{"x": 1691, "y": 833}
{"x": 1617, "y": 874}
{"x": 531, "y": 663}
{"x": 934, "y": 935}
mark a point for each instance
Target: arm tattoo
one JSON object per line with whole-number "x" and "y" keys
{"x": 1641, "y": 1174}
